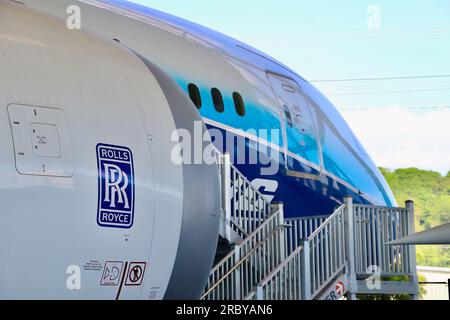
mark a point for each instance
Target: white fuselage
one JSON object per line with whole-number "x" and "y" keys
{"x": 62, "y": 95}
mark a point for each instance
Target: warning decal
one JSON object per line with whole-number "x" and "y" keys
{"x": 112, "y": 273}
{"x": 337, "y": 289}
{"x": 135, "y": 275}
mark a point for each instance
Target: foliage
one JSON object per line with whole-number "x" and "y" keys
{"x": 422, "y": 291}
{"x": 431, "y": 195}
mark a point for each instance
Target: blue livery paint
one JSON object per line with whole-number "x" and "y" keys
{"x": 115, "y": 186}
{"x": 340, "y": 160}
{"x": 301, "y": 197}
{"x": 257, "y": 117}
{"x": 334, "y": 155}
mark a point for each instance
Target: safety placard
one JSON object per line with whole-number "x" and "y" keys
{"x": 111, "y": 273}
{"x": 135, "y": 274}
{"x": 337, "y": 290}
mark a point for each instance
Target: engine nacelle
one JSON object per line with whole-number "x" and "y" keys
{"x": 92, "y": 205}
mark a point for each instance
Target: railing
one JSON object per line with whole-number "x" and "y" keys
{"x": 238, "y": 274}
{"x": 285, "y": 282}
{"x": 318, "y": 249}
{"x": 244, "y": 207}
{"x": 325, "y": 253}
{"x": 300, "y": 229}
{"x": 311, "y": 266}
{"x": 374, "y": 227}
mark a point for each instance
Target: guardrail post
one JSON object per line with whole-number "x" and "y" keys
{"x": 448, "y": 288}
{"x": 226, "y": 197}
{"x": 279, "y": 207}
{"x": 412, "y": 248}
{"x": 306, "y": 271}
{"x": 349, "y": 235}
{"x": 237, "y": 279}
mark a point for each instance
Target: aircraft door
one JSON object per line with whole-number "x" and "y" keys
{"x": 299, "y": 122}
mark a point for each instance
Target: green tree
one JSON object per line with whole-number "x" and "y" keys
{"x": 431, "y": 195}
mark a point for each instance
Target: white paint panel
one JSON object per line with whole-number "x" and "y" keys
{"x": 41, "y": 141}
{"x": 45, "y": 140}
{"x": 48, "y": 224}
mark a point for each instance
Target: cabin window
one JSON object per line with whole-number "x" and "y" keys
{"x": 239, "y": 104}
{"x": 194, "y": 94}
{"x": 287, "y": 113}
{"x": 217, "y": 100}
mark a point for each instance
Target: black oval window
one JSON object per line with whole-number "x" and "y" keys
{"x": 218, "y": 100}
{"x": 239, "y": 104}
{"x": 194, "y": 94}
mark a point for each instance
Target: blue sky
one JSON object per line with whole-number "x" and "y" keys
{"x": 326, "y": 39}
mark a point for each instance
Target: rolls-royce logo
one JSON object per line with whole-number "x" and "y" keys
{"x": 116, "y": 186}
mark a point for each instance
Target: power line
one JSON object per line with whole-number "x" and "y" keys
{"x": 384, "y": 92}
{"x": 383, "y": 79}
{"x": 344, "y": 38}
{"x": 390, "y": 108}
{"x": 430, "y": 30}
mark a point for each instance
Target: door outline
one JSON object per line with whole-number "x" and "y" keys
{"x": 283, "y": 120}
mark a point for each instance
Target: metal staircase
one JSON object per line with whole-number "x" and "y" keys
{"x": 342, "y": 255}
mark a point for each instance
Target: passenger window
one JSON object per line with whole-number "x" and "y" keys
{"x": 239, "y": 104}
{"x": 217, "y": 100}
{"x": 194, "y": 94}
{"x": 287, "y": 113}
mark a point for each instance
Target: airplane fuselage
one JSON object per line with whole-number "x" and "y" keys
{"x": 317, "y": 159}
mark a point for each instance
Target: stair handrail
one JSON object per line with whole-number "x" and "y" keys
{"x": 240, "y": 262}
{"x": 245, "y": 241}
{"x": 322, "y": 226}
{"x": 319, "y": 267}
{"x": 243, "y": 204}
{"x": 230, "y": 263}
{"x": 301, "y": 255}
{"x": 294, "y": 291}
